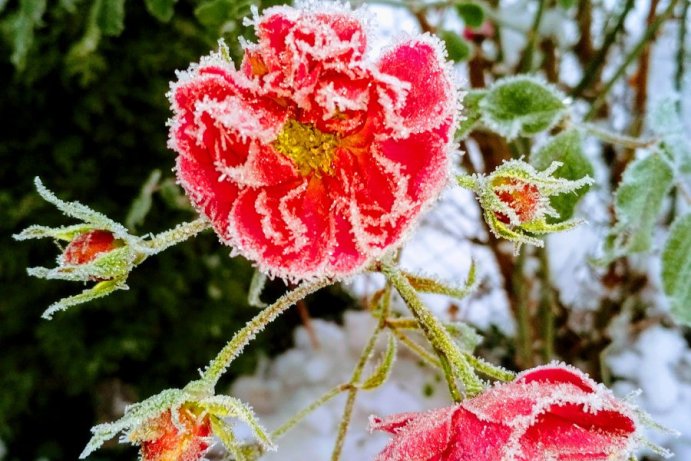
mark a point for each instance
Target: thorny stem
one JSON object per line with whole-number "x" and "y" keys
{"x": 526, "y": 63}
{"x": 594, "y": 67}
{"x": 241, "y": 338}
{"x": 357, "y": 375}
{"x": 633, "y": 54}
{"x": 178, "y": 234}
{"x": 435, "y": 332}
{"x": 615, "y": 138}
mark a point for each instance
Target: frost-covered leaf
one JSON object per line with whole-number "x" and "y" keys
{"x": 22, "y": 27}
{"x": 225, "y": 406}
{"x": 161, "y": 9}
{"x": 638, "y": 202}
{"x": 466, "y": 337}
{"x": 383, "y": 370}
{"x": 111, "y": 17}
{"x": 665, "y": 120}
{"x": 256, "y": 287}
{"x": 471, "y": 112}
{"x": 522, "y": 105}
{"x": 472, "y": 14}
{"x": 457, "y": 47}
{"x": 676, "y": 268}
{"x": 99, "y": 290}
{"x": 142, "y": 204}
{"x": 436, "y": 286}
{"x": 565, "y": 148}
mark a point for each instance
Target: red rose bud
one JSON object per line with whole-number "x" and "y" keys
{"x": 87, "y": 246}
{"x": 522, "y": 197}
{"x": 553, "y": 412}
{"x": 186, "y": 439}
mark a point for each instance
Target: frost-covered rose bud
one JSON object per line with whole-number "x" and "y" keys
{"x": 553, "y": 412}
{"x": 515, "y": 199}
{"x": 184, "y": 439}
{"x": 88, "y": 246}
{"x": 310, "y": 158}
{"x": 520, "y": 196}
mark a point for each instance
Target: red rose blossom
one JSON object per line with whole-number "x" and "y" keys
{"x": 553, "y": 412}
{"x": 87, "y": 246}
{"x": 185, "y": 439}
{"x": 311, "y": 159}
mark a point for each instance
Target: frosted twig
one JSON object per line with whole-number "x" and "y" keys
{"x": 385, "y": 301}
{"x": 243, "y": 337}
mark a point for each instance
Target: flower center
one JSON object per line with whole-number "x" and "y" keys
{"x": 310, "y": 149}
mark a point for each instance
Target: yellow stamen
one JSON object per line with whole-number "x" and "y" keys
{"x": 310, "y": 149}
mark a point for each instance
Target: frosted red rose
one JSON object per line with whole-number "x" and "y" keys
{"x": 548, "y": 413}
{"x": 311, "y": 159}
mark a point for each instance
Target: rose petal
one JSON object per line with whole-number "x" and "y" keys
{"x": 419, "y": 62}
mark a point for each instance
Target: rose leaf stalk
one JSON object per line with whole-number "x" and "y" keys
{"x": 437, "y": 335}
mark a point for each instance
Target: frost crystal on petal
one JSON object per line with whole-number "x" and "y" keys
{"x": 309, "y": 158}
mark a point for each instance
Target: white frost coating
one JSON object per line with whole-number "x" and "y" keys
{"x": 307, "y": 371}
{"x": 233, "y": 115}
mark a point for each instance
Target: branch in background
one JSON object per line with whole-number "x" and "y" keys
{"x": 595, "y": 64}
{"x": 633, "y": 54}
{"x": 681, "y": 52}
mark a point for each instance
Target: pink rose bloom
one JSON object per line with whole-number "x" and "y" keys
{"x": 311, "y": 159}
{"x": 549, "y": 413}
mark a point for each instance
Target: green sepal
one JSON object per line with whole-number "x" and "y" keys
{"x": 99, "y": 290}
{"x": 224, "y": 406}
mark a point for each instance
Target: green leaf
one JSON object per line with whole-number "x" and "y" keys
{"x": 522, "y": 105}
{"x": 638, "y": 202}
{"x": 471, "y": 112}
{"x": 565, "y": 148}
{"x": 457, "y": 47}
{"x": 382, "y": 372}
{"x": 256, "y": 287}
{"x": 111, "y": 17}
{"x": 22, "y": 27}
{"x": 161, "y": 9}
{"x": 566, "y": 4}
{"x": 472, "y": 14}
{"x": 214, "y": 13}
{"x": 676, "y": 269}
{"x": 665, "y": 120}
{"x": 142, "y": 204}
